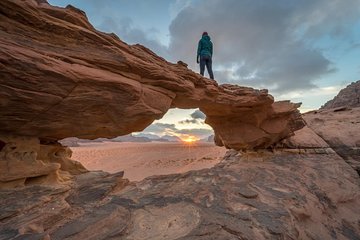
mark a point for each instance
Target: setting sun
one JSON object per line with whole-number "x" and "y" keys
{"x": 189, "y": 139}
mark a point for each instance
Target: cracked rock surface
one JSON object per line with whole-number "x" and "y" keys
{"x": 265, "y": 195}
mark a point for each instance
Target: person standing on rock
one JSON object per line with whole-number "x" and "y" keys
{"x": 204, "y": 54}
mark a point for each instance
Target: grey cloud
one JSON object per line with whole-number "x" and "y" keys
{"x": 188, "y": 121}
{"x": 354, "y": 46}
{"x": 332, "y": 18}
{"x": 178, "y": 5}
{"x": 200, "y": 132}
{"x": 108, "y": 19}
{"x": 126, "y": 30}
{"x": 265, "y": 42}
{"x": 198, "y": 115}
{"x": 293, "y": 70}
{"x": 159, "y": 128}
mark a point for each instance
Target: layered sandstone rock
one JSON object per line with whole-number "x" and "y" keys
{"x": 340, "y": 129}
{"x": 18, "y": 161}
{"x": 26, "y": 161}
{"x": 61, "y": 78}
{"x": 247, "y": 196}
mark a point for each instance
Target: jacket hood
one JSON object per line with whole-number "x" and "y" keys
{"x": 206, "y": 37}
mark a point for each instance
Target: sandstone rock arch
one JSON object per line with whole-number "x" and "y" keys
{"x": 62, "y": 78}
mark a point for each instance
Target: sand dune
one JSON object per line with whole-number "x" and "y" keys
{"x": 140, "y": 160}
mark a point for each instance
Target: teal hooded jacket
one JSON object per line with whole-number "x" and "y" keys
{"x": 205, "y": 46}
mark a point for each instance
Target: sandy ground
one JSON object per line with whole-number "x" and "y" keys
{"x": 140, "y": 160}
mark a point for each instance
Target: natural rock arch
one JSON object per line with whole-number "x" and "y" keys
{"x": 60, "y": 77}
{"x": 71, "y": 80}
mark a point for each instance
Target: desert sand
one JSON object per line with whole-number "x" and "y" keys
{"x": 140, "y": 160}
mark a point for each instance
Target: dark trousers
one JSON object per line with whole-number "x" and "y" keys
{"x": 206, "y": 61}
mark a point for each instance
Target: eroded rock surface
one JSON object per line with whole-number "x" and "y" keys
{"x": 27, "y": 161}
{"x": 340, "y": 129}
{"x": 264, "y": 195}
{"x": 61, "y": 78}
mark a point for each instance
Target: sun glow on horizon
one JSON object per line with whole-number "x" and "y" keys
{"x": 189, "y": 139}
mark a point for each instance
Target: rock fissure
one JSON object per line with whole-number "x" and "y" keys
{"x": 232, "y": 232}
{"x": 49, "y": 108}
{"x": 27, "y": 91}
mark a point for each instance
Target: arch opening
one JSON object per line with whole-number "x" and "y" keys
{"x": 179, "y": 142}
{"x": 182, "y": 125}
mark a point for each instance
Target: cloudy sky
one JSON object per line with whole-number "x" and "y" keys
{"x": 305, "y": 51}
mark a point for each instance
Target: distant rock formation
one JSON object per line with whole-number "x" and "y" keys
{"x": 171, "y": 138}
{"x": 147, "y": 135}
{"x": 74, "y": 142}
{"x": 208, "y": 139}
{"x": 129, "y": 138}
{"x": 156, "y": 138}
{"x": 70, "y": 142}
{"x": 347, "y": 97}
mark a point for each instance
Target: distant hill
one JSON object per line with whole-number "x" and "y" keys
{"x": 171, "y": 138}
{"x": 207, "y": 139}
{"x": 70, "y": 142}
{"x": 142, "y": 137}
{"x": 130, "y": 138}
{"x": 347, "y": 97}
{"x": 74, "y": 142}
{"x": 147, "y": 135}
{"x": 156, "y": 138}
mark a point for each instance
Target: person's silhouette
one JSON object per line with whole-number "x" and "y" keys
{"x": 205, "y": 52}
